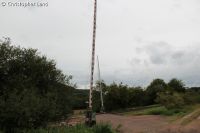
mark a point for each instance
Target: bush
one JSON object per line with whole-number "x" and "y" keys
{"x": 155, "y": 87}
{"x": 101, "y": 128}
{"x": 33, "y": 91}
{"x": 191, "y": 97}
{"x": 165, "y": 111}
{"x": 116, "y": 97}
{"x": 157, "y": 111}
{"x": 177, "y": 85}
{"x": 171, "y": 100}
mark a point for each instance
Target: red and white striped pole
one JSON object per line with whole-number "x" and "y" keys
{"x": 93, "y": 54}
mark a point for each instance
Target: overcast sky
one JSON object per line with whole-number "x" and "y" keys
{"x": 137, "y": 40}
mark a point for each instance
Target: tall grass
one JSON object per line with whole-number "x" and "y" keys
{"x": 161, "y": 110}
{"x": 100, "y": 128}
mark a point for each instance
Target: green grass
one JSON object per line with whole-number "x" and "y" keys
{"x": 161, "y": 110}
{"x": 191, "y": 117}
{"x": 100, "y": 128}
{"x": 151, "y": 111}
{"x": 119, "y": 111}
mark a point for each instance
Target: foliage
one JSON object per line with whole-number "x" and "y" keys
{"x": 191, "y": 117}
{"x": 177, "y": 85}
{"x": 80, "y": 97}
{"x": 100, "y": 128}
{"x": 119, "y": 96}
{"x": 158, "y": 111}
{"x": 96, "y": 103}
{"x": 171, "y": 100}
{"x": 161, "y": 110}
{"x": 191, "y": 96}
{"x": 156, "y": 86}
{"x": 116, "y": 97}
{"x": 137, "y": 97}
{"x": 33, "y": 91}
{"x": 195, "y": 89}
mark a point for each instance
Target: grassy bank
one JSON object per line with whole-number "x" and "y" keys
{"x": 161, "y": 110}
{"x": 101, "y": 128}
{"x": 127, "y": 110}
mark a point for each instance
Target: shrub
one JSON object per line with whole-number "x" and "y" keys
{"x": 191, "y": 97}
{"x": 33, "y": 91}
{"x": 171, "y": 100}
{"x": 100, "y": 128}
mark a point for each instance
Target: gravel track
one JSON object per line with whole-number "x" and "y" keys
{"x": 148, "y": 124}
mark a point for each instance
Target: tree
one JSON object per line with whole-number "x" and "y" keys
{"x": 177, "y": 85}
{"x": 156, "y": 86}
{"x": 192, "y": 96}
{"x": 97, "y": 95}
{"x": 171, "y": 100}
{"x": 96, "y": 103}
{"x": 116, "y": 97}
{"x": 33, "y": 91}
{"x": 80, "y": 98}
{"x": 137, "y": 97}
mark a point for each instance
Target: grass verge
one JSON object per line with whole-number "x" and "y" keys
{"x": 161, "y": 110}
{"x": 191, "y": 117}
{"x": 100, "y": 128}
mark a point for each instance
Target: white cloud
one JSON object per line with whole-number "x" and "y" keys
{"x": 129, "y": 37}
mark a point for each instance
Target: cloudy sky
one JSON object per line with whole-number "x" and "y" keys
{"x": 137, "y": 40}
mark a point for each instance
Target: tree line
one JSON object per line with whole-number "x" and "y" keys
{"x": 173, "y": 94}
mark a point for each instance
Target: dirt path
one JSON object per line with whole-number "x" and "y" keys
{"x": 134, "y": 124}
{"x": 149, "y": 124}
